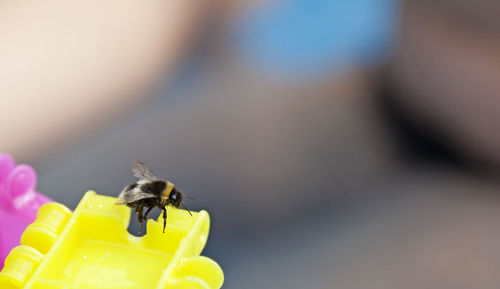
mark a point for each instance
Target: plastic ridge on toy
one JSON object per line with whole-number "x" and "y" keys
{"x": 91, "y": 249}
{"x": 19, "y": 202}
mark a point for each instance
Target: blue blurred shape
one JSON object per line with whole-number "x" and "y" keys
{"x": 307, "y": 37}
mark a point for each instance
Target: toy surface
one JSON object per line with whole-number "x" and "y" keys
{"x": 19, "y": 202}
{"x": 91, "y": 248}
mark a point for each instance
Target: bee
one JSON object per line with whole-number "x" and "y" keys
{"x": 150, "y": 192}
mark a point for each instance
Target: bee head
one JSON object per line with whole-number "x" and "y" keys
{"x": 175, "y": 198}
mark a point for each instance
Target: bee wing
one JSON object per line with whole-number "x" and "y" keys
{"x": 142, "y": 172}
{"x": 132, "y": 196}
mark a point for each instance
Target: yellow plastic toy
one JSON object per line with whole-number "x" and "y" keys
{"x": 91, "y": 249}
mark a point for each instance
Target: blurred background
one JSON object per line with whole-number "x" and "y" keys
{"x": 335, "y": 144}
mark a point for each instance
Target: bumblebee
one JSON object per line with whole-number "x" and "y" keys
{"x": 150, "y": 192}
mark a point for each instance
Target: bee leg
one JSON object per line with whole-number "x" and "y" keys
{"x": 164, "y": 219}
{"x": 138, "y": 211}
{"x": 145, "y": 217}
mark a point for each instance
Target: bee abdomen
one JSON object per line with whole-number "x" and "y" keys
{"x": 131, "y": 187}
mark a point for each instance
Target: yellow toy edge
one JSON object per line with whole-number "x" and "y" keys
{"x": 59, "y": 240}
{"x": 181, "y": 253}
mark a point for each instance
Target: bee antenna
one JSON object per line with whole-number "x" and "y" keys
{"x": 191, "y": 198}
{"x": 186, "y": 209}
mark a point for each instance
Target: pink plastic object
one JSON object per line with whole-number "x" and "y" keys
{"x": 19, "y": 202}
